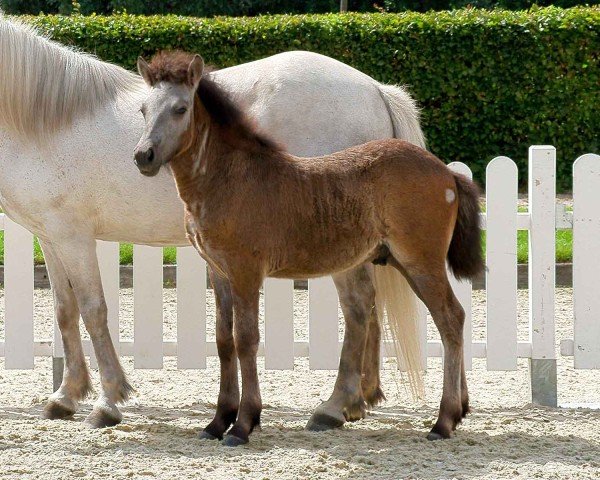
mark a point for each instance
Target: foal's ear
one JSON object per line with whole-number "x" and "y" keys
{"x": 144, "y": 70}
{"x": 195, "y": 70}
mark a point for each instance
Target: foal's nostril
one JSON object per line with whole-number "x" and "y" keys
{"x": 150, "y": 155}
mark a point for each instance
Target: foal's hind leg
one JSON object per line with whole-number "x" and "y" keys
{"x": 430, "y": 282}
{"x": 229, "y": 392}
{"x": 76, "y": 383}
{"x": 371, "y": 382}
{"x": 357, "y": 297}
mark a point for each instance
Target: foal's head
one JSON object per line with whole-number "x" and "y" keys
{"x": 168, "y": 111}
{"x": 183, "y": 103}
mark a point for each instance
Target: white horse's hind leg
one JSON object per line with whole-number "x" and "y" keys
{"x": 347, "y": 403}
{"x": 78, "y": 257}
{"x": 76, "y": 379}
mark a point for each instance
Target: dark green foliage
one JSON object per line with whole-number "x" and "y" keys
{"x": 211, "y": 8}
{"x": 490, "y": 83}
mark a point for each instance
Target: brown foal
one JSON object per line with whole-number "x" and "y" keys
{"x": 367, "y": 215}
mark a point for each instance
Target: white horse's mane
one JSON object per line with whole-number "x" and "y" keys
{"x": 45, "y": 86}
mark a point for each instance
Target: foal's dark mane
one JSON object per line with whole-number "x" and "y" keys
{"x": 236, "y": 127}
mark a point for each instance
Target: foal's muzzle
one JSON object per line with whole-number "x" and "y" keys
{"x": 145, "y": 159}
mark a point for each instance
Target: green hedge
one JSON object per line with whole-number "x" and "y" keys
{"x": 489, "y": 82}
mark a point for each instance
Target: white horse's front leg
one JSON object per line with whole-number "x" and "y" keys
{"x": 79, "y": 259}
{"x": 76, "y": 383}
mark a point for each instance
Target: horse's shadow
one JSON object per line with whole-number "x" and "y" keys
{"x": 468, "y": 454}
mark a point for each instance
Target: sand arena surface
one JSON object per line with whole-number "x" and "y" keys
{"x": 505, "y": 437}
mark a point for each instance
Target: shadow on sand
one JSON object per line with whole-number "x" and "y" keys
{"x": 384, "y": 445}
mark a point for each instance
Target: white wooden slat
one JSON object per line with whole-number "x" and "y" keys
{"x": 323, "y": 324}
{"x": 586, "y": 260}
{"x": 463, "y": 289}
{"x": 542, "y": 195}
{"x": 108, "y": 263}
{"x": 147, "y": 306}
{"x": 191, "y": 309}
{"x": 18, "y": 296}
{"x": 279, "y": 324}
{"x": 501, "y": 262}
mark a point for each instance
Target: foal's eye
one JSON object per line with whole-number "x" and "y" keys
{"x": 180, "y": 110}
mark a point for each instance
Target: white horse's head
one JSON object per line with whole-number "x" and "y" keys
{"x": 168, "y": 109}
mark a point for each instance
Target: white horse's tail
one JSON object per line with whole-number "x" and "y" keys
{"x": 391, "y": 288}
{"x": 394, "y": 295}
{"x": 404, "y": 113}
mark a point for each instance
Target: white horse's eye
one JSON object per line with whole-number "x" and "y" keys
{"x": 180, "y": 110}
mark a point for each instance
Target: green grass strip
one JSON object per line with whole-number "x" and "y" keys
{"x": 564, "y": 249}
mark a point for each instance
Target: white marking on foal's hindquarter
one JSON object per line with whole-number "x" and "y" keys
{"x": 450, "y": 195}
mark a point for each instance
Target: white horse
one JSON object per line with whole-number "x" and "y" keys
{"x": 68, "y": 127}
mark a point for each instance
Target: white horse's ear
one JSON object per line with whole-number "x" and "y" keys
{"x": 144, "y": 70}
{"x": 195, "y": 70}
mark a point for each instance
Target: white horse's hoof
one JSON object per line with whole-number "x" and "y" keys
{"x": 100, "y": 418}
{"x": 104, "y": 415}
{"x": 57, "y": 410}
{"x": 321, "y": 421}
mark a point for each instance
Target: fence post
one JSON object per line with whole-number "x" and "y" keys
{"x": 18, "y": 296}
{"x": 147, "y": 306}
{"x": 191, "y": 309}
{"x": 501, "y": 262}
{"x": 279, "y": 324}
{"x": 323, "y": 336}
{"x": 542, "y": 258}
{"x": 586, "y": 261}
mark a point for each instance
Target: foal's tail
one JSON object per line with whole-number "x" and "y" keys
{"x": 464, "y": 255}
{"x": 394, "y": 295}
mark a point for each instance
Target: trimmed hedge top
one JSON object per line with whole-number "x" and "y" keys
{"x": 490, "y": 82}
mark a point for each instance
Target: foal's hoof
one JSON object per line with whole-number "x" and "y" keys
{"x": 204, "y": 435}
{"x": 100, "y": 418}
{"x": 55, "y": 411}
{"x": 233, "y": 441}
{"x": 320, "y": 422}
{"x": 434, "y": 436}
{"x": 439, "y": 433}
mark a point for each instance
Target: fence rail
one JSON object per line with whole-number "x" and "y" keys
{"x": 501, "y": 348}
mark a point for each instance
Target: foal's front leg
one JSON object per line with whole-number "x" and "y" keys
{"x": 246, "y": 336}
{"x": 229, "y": 392}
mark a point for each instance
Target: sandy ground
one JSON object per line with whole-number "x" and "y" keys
{"x": 505, "y": 437}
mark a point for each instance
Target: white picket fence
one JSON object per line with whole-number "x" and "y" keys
{"x": 501, "y": 348}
